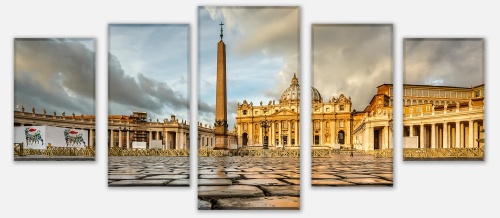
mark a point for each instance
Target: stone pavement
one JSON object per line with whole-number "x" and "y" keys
{"x": 239, "y": 183}
{"x": 343, "y": 170}
{"x": 148, "y": 171}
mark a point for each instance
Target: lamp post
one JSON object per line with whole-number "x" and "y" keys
{"x": 265, "y": 124}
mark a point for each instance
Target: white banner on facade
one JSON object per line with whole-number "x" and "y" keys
{"x": 32, "y": 136}
{"x": 139, "y": 145}
{"x": 155, "y": 144}
{"x": 38, "y": 137}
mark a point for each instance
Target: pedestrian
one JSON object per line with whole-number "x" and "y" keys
{"x": 352, "y": 154}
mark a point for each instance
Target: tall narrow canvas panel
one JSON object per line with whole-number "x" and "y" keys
{"x": 443, "y": 98}
{"x": 249, "y": 111}
{"x": 54, "y": 99}
{"x": 148, "y": 120}
{"x": 352, "y": 105}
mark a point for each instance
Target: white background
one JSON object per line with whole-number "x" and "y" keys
{"x": 421, "y": 189}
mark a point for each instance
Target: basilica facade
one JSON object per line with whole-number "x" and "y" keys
{"x": 334, "y": 123}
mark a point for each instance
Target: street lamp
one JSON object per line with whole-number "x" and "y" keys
{"x": 124, "y": 129}
{"x": 265, "y": 124}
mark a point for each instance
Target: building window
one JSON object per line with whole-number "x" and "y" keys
{"x": 341, "y": 107}
{"x": 256, "y": 112}
{"x": 327, "y": 109}
{"x": 316, "y": 125}
{"x": 341, "y": 124}
{"x": 327, "y": 125}
{"x": 284, "y": 125}
{"x": 244, "y": 127}
{"x": 245, "y": 112}
{"x": 293, "y": 125}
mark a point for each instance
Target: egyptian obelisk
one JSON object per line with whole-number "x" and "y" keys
{"x": 221, "y": 97}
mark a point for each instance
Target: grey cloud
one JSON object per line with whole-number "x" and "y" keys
{"x": 351, "y": 60}
{"x": 141, "y": 92}
{"x": 450, "y": 62}
{"x": 56, "y": 74}
{"x": 273, "y": 31}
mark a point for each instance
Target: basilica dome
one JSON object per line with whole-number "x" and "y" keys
{"x": 292, "y": 94}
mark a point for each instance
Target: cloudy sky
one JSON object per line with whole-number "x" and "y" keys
{"x": 148, "y": 70}
{"x": 351, "y": 60}
{"x": 55, "y": 74}
{"x": 446, "y": 62}
{"x": 262, "y": 48}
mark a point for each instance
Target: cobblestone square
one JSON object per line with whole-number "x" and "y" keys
{"x": 148, "y": 171}
{"x": 343, "y": 170}
{"x": 244, "y": 183}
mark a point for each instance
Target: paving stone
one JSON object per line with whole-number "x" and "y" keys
{"x": 179, "y": 182}
{"x": 387, "y": 176}
{"x": 204, "y": 205}
{"x": 323, "y": 176}
{"x": 167, "y": 177}
{"x": 330, "y": 182}
{"x": 139, "y": 183}
{"x": 369, "y": 181}
{"x": 124, "y": 177}
{"x": 261, "y": 182}
{"x": 293, "y": 190}
{"x": 220, "y": 176}
{"x": 262, "y": 203}
{"x": 293, "y": 181}
{"x": 229, "y": 191}
{"x": 214, "y": 182}
{"x": 291, "y": 175}
{"x": 263, "y": 176}
{"x": 352, "y": 176}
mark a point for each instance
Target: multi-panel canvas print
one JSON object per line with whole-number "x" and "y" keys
{"x": 352, "y": 105}
{"x": 248, "y": 129}
{"x": 443, "y": 97}
{"x": 54, "y": 92}
{"x": 148, "y": 120}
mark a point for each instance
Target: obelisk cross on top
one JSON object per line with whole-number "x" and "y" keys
{"x": 221, "y": 34}
{"x": 221, "y": 140}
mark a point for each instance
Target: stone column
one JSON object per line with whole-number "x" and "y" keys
{"x": 111, "y": 139}
{"x": 411, "y": 130}
{"x": 332, "y": 133}
{"x": 250, "y": 135}
{"x": 261, "y": 133}
{"x": 271, "y": 134}
{"x": 457, "y": 134}
{"x": 445, "y": 135}
{"x": 120, "y": 140}
{"x": 471, "y": 134}
{"x": 433, "y": 135}
{"x": 476, "y": 136}
{"x": 371, "y": 145}
{"x": 150, "y": 136}
{"x": 321, "y": 136}
{"x": 91, "y": 140}
{"x": 386, "y": 138}
{"x": 390, "y": 138}
{"x": 280, "y": 138}
{"x": 128, "y": 139}
{"x": 177, "y": 139}
{"x": 289, "y": 140}
{"x": 297, "y": 133}
{"x": 422, "y": 143}
{"x": 165, "y": 142}
{"x": 462, "y": 135}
